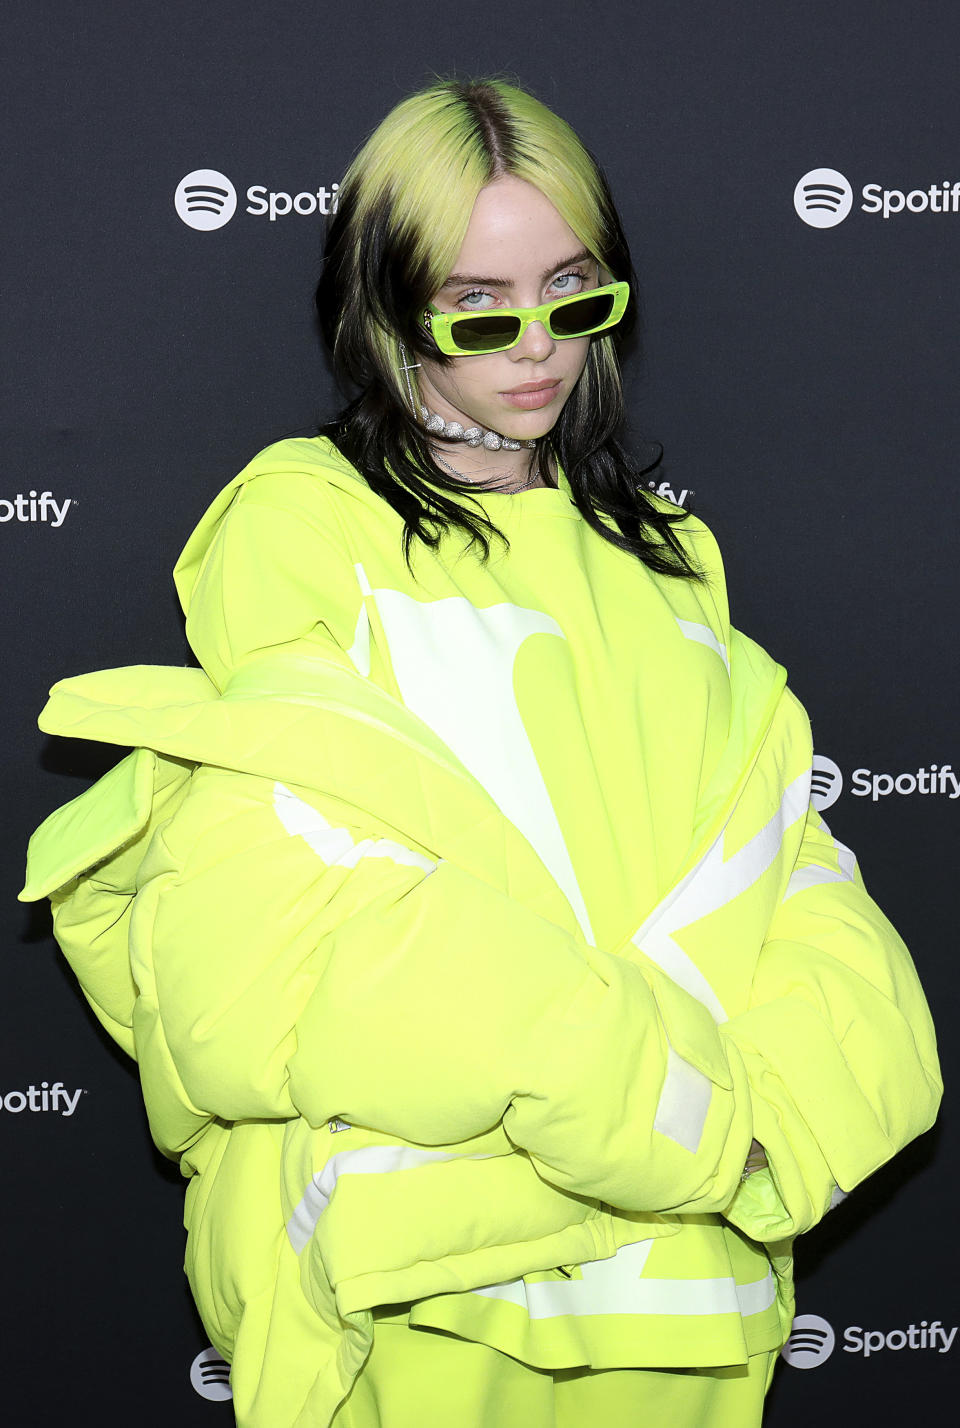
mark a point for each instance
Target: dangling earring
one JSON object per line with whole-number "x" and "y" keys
{"x": 406, "y": 368}
{"x": 454, "y": 430}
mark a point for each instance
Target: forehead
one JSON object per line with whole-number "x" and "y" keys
{"x": 515, "y": 230}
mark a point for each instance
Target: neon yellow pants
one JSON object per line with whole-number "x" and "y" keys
{"x": 419, "y": 1378}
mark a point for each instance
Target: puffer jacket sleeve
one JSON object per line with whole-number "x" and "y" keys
{"x": 302, "y": 960}
{"x": 832, "y": 1067}
{"x": 837, "y": 1043}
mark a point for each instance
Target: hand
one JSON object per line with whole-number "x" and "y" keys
{"x": 756, "y": 1159}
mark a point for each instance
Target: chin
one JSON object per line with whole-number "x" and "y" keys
{"x": 526, "y": 429}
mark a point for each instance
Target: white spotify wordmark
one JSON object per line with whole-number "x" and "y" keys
{"x": 823, "y": 198}
{"x": 205, "y": 199}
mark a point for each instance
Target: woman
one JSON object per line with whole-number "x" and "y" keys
{"x": 506, "y": 1002}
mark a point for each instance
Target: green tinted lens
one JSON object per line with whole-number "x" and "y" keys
{"x": 587, "y": 313}
{"x": 484, "y": 333}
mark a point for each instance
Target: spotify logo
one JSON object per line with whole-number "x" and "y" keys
{"x": 205, "y": 199}
{"x": 826, "y": 783}
{"x": 810, "y": 1344}
{"x": 210, "y": 1376}
{"x": 823, "y": 198}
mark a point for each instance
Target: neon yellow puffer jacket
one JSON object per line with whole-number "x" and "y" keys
{"x": 467, "y": 924}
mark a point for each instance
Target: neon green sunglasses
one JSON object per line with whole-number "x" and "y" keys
{"x": 471, "y": 334}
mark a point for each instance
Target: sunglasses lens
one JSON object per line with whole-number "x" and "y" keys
{"x": 484, "y": 333}
{"x": 575, "y": 318}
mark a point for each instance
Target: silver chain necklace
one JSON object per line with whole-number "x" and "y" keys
{"x": 535, "y": 476}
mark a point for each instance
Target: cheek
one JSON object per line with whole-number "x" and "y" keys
{"x": 462, "y": 375}
{"x": 578, "y": 356}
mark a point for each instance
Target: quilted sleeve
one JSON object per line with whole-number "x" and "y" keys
{"x": 297, "y": 956}
{"x": 838, "y": 1044}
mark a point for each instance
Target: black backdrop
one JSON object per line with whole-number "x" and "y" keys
{"x": 802, "y": 378}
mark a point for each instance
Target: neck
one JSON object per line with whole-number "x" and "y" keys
{"x": 513, "y": 471}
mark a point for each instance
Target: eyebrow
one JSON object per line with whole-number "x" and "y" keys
{"x": 457, "y": 280}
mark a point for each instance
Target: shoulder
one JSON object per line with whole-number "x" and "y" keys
{"x": 298, "y": 469}
{"x": 296, "y": 475}
{"x": 700, "y": 545}
{"x": 284, "y": 498}
{"x": 751, "y": 666}
{"x": 694, "y": 534}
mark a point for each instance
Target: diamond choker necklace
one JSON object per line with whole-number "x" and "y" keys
{"x": 472, "y": 435}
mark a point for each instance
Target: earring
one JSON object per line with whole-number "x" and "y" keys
{"x": 406, "y": 368}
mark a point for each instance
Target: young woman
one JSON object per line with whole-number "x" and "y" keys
{"x": 507, "y": 1004}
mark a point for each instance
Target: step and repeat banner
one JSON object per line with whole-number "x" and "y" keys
{"x": 789, "y": 177}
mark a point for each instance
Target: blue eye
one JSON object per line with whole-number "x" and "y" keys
{"x": 468, "y": 299}
{"x": 567, "y": 282}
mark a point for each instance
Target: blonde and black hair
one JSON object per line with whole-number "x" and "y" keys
{"x": 402, "y": 215}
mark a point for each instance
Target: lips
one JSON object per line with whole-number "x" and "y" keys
{"x": 532, "y": 395}
{"x": 532, "y": 387}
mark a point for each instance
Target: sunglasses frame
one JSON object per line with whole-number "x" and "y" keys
{"x": 440, "y": 324}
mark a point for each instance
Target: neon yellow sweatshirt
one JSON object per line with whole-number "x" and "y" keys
{"x": 466, "y": 928}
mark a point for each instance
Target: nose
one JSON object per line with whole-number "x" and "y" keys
{"x": 536, "y": 343}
